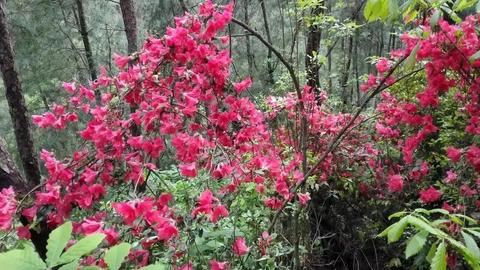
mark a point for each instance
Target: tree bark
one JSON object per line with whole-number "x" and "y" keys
{"x": 130, "y": 23}
{"x": 247, "y": 39}
{"x": 86, "y": 44}
{"x": 270, "y": 67}
{"x": 346, "y": 72}
{"x": 314, "y": 37}
{"x": 16, "y": 103}
{"x": 9, "y": 174}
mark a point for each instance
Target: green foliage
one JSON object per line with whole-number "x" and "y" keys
{"x": 378, "y": 9}
{"x": 28, "y": 259}
{"x": 439, "y": 231}
{"x": 22, "y": 259}
{"x": 116, "y": 255}
{"x": 386, "y": 10}
{"x": 57, "y": 242}
{"x": 439, "y": 260}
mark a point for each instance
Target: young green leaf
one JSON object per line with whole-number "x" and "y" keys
{"x": 397, "y": 230}
{"x": 435, "y": 18}
{"x": 21, "y": 259}
{"x": 82, "y": 247}
{"x": 431, "y": 252}
{"x": 156, "y": 267}
{"x": 463, "y": 4}
{"x": 116, "y": 255}
{"x": 70, "y": 266}
{"x": 57, "y": 241}
{"x": 474, "y": 233}
{"x": 439, "y": 261}
{"x": 471, "y": 245}
{"x": 410, "y": 61}
{"x": 416, "y": 243}
{"x": 425, "y": 226}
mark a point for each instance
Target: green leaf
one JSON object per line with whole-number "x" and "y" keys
{"x": 435, "y": 18}
{"x": 21, "y": 259}
{"x": 477, "y": 7}
{"x": 393, "y": 8}
{"x": 416, "y": 243}
{"x": 397, "y": 230}
{"x": 116, "y": 255}
{"x": 431, "y": 252}
{"x": 70, "y": 266}
{"x": 425, "y": 226}
{"x": 471, "y": 245}
{"x": 82, "y": 247}
{"x": 91, "y": 267}
{"x": 57, "y": 241}
{"x": 440, "y": 211}
{"x": 475, "y": 233}
{"x": 156, "y": 267}
{"x": 467, "y": 218}
{"x": 439, "y": 261}
{"x": 376, "y": 9}
{"x": 397, "y": 215}
{"x": 463, "y": 4}
{"x": 410, "y": 63}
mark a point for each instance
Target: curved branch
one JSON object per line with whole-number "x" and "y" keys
{"x": 282, "y": 59}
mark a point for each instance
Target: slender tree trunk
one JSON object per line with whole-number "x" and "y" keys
{"x": 270, "y": 67}
{"x": 346, "y": 72}
{"x": 183, "y": 5}
{"x": 16, "y": 103}
{"x": 312, "y": 48}
{"x": 247, "y": 38}
{"x": 355, "y": 63}
{"x": 86, "y": 44}
{"x": 130, "y": 24}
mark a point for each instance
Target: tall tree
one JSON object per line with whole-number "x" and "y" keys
{"x": 250, "y": 58}
{"x": 312, "y": 48}
{"x": 16, "y": 103}
{"x": 130, "y": 24}
{"x": 270, "y": 67}
{"x": 82, "y": 24}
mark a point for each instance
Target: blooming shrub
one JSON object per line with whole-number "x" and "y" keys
{"x": 234, "y": 160}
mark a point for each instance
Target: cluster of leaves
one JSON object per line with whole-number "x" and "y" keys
{"x": 452, "y": 230}
{"x": 28, "y": 259}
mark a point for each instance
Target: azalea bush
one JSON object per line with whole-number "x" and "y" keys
{"x": 242, "y": 174}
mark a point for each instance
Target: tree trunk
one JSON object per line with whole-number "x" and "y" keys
{"x": 247, "y": 39}
{"x": 270, "y": 67}
{"x": 312, "y": 48}
{"x": 130, "y": 23}
{"x": 86, "y": 44}
{"x": 346, "y": 72}
{"x": 16, "y": 103}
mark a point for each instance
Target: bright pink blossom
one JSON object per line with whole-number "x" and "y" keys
{"x": 240, "y": 247}
{"x": 395, "y": 183}
{"x": 215, "y": 265}
{"x": 8, "y": 207}
{"x": 430, "y": 195}
{"x": 454, "y": 154}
